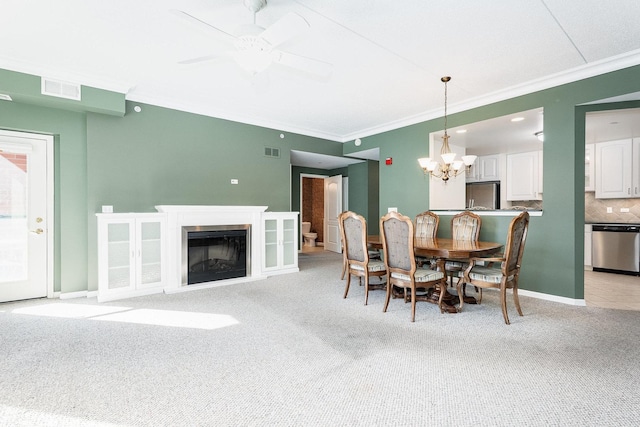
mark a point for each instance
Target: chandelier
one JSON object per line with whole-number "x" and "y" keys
{"x": 450, "y": 167}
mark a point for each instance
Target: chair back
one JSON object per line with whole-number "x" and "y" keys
{"x": 354, "y": 236}
{"x": 426, "y": 226}
{"x": 397, "y": 243}
{"x": 466, "y": 226}
{"x": 514, "y": 247}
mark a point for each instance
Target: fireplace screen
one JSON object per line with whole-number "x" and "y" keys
{"x": 216, "y": 254}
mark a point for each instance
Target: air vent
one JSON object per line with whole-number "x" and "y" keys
{"x": 5, "y": 97}
{"x": 60, "y": 89}
{"x": 272, "y": 152}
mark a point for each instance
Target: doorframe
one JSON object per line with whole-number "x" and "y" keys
{"x": 306, "y": 175}
{"x": 49, "y": 187}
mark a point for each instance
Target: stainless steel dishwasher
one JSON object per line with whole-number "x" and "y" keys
{"x": 616, "y": 248}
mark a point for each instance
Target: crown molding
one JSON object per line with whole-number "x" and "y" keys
{"x": 593, "y": 69}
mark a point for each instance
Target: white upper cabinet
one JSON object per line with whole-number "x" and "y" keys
{"x": 524, "y": 176}
{"x": 617, "y": 169}
{"x": 485, "y": 168}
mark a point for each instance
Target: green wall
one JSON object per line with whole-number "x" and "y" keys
{"x": 555, "y": 246}
{"x": 364, "y": 193}
{"x": 107, "y": 154}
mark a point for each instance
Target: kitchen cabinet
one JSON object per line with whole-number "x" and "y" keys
{"x": 280, "y": 242}
{"x": 485, "y": 168}
{"x": 130, "y": 255}
{"x": 617, "y": 169}
{"x": 524, "y": 176}
{"x": 589, "y": 168}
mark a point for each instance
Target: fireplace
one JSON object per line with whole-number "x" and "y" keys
{"x": 216, "y": 252}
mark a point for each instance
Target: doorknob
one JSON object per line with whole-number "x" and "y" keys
{"x": 38, "y": 231}
{"x": 39, "y": 220}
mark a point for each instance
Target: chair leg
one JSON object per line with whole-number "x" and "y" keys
{"x": 443, "y": 290}
{"x": 503, "y": 301}
{"x": 413, "y": 303}
{"x": 461, "y": 294}
{"x": 366, "y": 288}
{"x": 516, "y": 300}
{"x": 346, "y": 289}
{"x": 344, "y": 268}
{"x": 388, "y": 296}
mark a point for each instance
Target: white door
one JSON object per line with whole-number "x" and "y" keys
{"x": 332, "y": 208}
{"x": 24, "y": 222}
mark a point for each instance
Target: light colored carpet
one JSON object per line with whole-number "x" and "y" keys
{"x": 290, "y": 351}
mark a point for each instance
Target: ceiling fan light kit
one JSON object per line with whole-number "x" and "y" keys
{"x": 255, "y": 48}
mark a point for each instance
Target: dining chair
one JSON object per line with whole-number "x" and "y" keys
{"x": 358, "y": 262}
{"x": 426, "y": 227}
{"x": 399, "y": 257}
{"x": 342, "y": 247}
{"x": 503, "y": 272}
{"x": 465, "y": 227}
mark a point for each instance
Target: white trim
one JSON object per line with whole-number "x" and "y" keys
{"x": 72, "y": 295}
{"x": 491, "y": 213}
{"x": 51, "y": 231}
{"x": 554, "y": 298}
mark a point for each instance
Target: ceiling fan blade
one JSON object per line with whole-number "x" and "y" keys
{"x": 199, "y": 59}
{"x": 312, "y": 66}
{"x": 230, "y": 38}
{"x": 285, "y": 28}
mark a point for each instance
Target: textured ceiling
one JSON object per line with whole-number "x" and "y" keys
{"x": 387, "y": 56}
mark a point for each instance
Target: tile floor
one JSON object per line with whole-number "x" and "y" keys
{"x": 611, "y": 290}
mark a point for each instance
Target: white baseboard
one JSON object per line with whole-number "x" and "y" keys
{"x": 554, "y": 298}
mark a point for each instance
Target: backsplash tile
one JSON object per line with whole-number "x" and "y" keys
{"x": 595, "y": 210}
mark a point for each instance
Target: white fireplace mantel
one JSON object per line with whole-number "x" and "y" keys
{"x": 179, "y": 216}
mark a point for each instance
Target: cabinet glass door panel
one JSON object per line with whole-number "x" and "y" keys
{"x": 270, "y": 243}
{"x": 150, "y": 252}
{"x": 289, "y": 241}
{"x": 119, "y": 255}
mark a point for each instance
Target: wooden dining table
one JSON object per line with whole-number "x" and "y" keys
{"x": 443, "y": 249}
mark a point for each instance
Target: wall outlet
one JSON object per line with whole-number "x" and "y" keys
{"x": 234, "y": 181}
{"x": 624, "y": 209}
{"x": 609, "y": 210}
{"x": 107, "y": 209}
{"x": 392, "y": 210}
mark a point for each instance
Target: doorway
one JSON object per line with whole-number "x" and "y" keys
{"x": 312, "y": 209}
{"x": 26, "y": 216}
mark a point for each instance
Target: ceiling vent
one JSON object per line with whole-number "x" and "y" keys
{"x": 60, "y": 89}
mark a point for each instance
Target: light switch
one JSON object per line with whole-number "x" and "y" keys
{"x": 624, "y": 209}
{"x": 234, "y": 181}
{"x": 392, "y": 210}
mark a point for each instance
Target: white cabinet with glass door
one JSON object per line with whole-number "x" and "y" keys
{"x": 130, "y": 255}
{"x": 280, "y": 242}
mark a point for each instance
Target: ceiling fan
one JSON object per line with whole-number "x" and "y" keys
{"x": 256, "y": 48}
